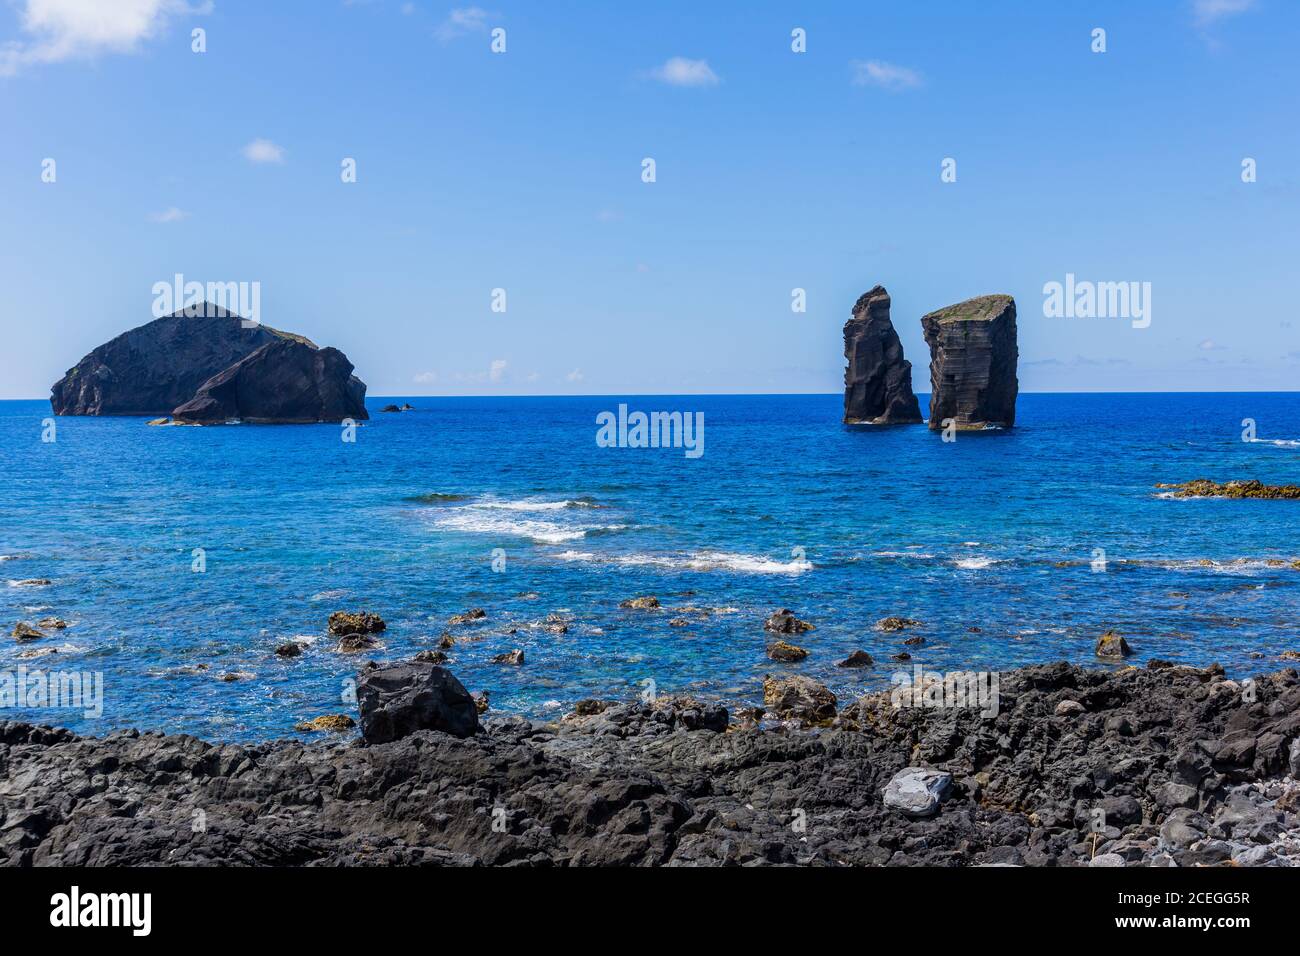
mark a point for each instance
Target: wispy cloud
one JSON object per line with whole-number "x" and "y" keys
{"x": 574, "y": 376}
{"x": 60, "y": 30}
{"x": 263, "y": 151}
{"x": 1208, "y": 12}
{"x": 887, "y": 76}
{"x": 679, "y": 71}
{"x": 170, "y": 214}
{"x": 1209, "y": 345}
{"x": 497, "y": 370}
{"x": 462, "y": 21}
{"x": 425, "y": 378}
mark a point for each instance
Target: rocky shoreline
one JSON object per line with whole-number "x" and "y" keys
{"x": 1163, "y": 765}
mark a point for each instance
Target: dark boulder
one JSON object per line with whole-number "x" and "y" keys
{"x": 400, "y": 699}
{"x": 287, "y": 381}
{"x": 877, "y": 379}
{"x": 973, "y": 355}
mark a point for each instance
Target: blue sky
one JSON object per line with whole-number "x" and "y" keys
{"x": 775, "y": 170}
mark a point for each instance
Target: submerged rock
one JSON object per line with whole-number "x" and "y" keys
{"x": 973, "y": 355}
{"x": 896, "y": 623}
{"x": 515, "y": 657}
{"x": 290, "y": 649}
{"x": 1205, "y": 488}
{"x": 355, "y": 643}
{"x": 286, "y": 382}
{"x": 334, "y": 722}
{"x": 877, "y": 379}
{"x": 432, "y": 657}
{"x": 784, "y": 622}
{"x": 787, "y": 653}
{"x": 355, "y": 622}
{"x": 648, "y": 603}
{"x": 469, "y": 617}
{"x": 53, "y": 623}
{"x": 25, "y": 632}
{"x": 402, "y": 698}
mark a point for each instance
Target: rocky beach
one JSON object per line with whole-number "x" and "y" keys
{"x": 1163, "y": 765}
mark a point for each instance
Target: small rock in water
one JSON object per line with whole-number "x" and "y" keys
{"x": 355, "y": 643}
{"x": 786, "y": 653}
{"x": 291, "y": 649}
{"x": 361, "y": 622}
{"x": 917, "y": 791}
{"x": 784, "y": 622}
{"x": 25, "y": 632}
{"x": 647, "y": 603}
{"x": 53, "y": 623}
{"x": 896, "y": 623}
{"x": 32, "y": 583}
{"x": 1112, "y": 646}
{"x": 515, "y": 657}
{"x": 336, "y": 722}
{"x": 473, "y": 614}
{"x": 431, "y": 657}
{"x": 446, "y": 642}
{"x": 857, "y": 659}
{"x": 481, "y": 702}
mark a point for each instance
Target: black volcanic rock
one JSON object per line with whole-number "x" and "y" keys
{"x": 283, "y": 382}
{"x": 637, "y": 783}
{"x": 402, "y": 698}
{"x": 973, "y": 357}
{"x": 152, "y": 369}
{"x": 877, "y": 379}
{"x": 211, "y": 368}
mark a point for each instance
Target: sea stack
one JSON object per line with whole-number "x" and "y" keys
{"x": 973, "y": 357}
{"x": 214, "y": 366}
{"x": 877, "y": 379}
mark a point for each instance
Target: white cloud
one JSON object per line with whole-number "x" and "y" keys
{"x": 426, "y": 378}
{"x": 887, "y": 76}
{"x": 463, "y": 21}
{"x": 574, "y": 376}
{"x": 497, "y": 369}
{"x": 680, "y": 71}
{"x": 1209, "y": 345}
{"x": 170, "y": 214}
{"x": 62, "y": 30}
{"x": 1207, "y": 12}
{"x": 408, "y": 9}
{"x": 263, "y": 151}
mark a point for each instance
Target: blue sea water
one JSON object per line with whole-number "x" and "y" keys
{"x": 295, "y": 523}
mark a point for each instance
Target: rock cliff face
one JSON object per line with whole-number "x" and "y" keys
{"x": 283, "y": 382}
{"x": 158, "y": 367}
{"x": 877, "y": 379}
{"x": 973, "y": 357}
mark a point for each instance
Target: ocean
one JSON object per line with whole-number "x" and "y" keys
{"x": 1011, "y": 548}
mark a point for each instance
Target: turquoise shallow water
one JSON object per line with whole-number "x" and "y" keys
{"x": 295, "y": 523}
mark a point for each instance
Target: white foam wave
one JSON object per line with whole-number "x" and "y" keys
{"x": 488, "y": 522}
{"x": 697, "y": 561}
{"x": 978, "y": 563}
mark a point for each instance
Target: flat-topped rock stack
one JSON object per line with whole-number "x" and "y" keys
{"x": 973, "y": 356}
